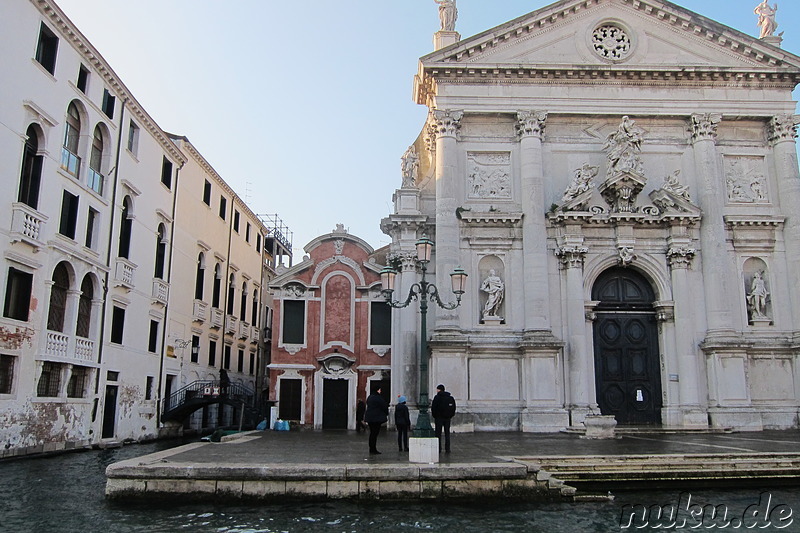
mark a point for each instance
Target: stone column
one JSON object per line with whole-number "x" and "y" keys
{"x": 530, "y": 127}
{"x": 719, "y": 274}
{"x": 446, "y": 124}
{"x": 571, "y": 254}
{"x": 679, "y": 257}
{"x": 782, "y": 132}
{"x": 405, "y": 359}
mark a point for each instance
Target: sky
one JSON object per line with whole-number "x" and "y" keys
{"x": 304, "y": 107}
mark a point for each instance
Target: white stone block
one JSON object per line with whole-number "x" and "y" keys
{"x": 423, "y": 450}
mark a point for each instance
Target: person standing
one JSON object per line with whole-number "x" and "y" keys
{"x": 377, "y": 413}
{"x": 402, "y": 421}
{"x": 361, "y": 408}
{"x": 443, "y": 408}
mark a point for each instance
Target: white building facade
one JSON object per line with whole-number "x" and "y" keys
{"x": 98, "y": 238}
{"x": 620, "y": 180}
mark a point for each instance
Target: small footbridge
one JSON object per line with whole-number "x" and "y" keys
{"x": 199, "y": 394}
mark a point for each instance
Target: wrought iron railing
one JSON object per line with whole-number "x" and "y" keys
{"x": 205, "y": 392}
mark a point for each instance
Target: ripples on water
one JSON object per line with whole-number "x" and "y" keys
{"x": 65, "y": 494}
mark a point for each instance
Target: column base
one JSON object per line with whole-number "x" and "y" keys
{"x": 423, "y": 450}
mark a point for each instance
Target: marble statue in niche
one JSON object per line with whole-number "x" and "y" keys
{"x": 581, "y": 182}
{"x": 494, "y": 287}
{"x": 757, "y": 297}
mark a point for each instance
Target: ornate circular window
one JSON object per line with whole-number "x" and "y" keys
{"x": 611, "y": 42}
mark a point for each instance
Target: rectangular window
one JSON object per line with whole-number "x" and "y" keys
{"x": 91, "y": 225}
{"x": 240, "y": 361}
{"x": 47, "y": 49}
{"x": 148, "y": 388}
{"x": 252, "y": 363}
{"x": 6, "y": 373}
{"x": 236, "y": 221}
{"x": 294, "y": 321}
{"x": 50, "y": 381}
{"x": 212, "y": 353}
{"x": 226, "y": 357}
{"x": 109, "y": 101}
{"x": 195, "y": 349}
{"x": 258, "y": 243}
{"x": 76, "y": 388}
{"x": 133, "y": 138}
{"x": 207, "y": 193}
{"x": 380, "y": 325}
{"x": 247, "y": 233}
{"x": 152, "y": 344}
{"x": 166, "y": 172}
{"x": 83, "y": 79}
{"x": 18, "y": 294}
{"x": 69, "y": 215}
{"x": 223, "y": 207}
{"x": 117, "y": 324}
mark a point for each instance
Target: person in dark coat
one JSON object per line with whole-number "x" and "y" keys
{"x": 443, "y": 408}
{"x": 402, "y": 421}
{"x": 224, "y": 381}
{"x": 377, "y": 413}
{"x": 361, "y": 408}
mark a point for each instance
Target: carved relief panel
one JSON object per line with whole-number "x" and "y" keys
{"x": 489, "y": 175}
{"x": 745, "y": 180}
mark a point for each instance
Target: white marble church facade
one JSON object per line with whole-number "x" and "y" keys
{"x": 629, "y": 172}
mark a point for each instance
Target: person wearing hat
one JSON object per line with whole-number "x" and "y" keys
{"x": 402, "y": 421}
{"x": 443, "y": 408}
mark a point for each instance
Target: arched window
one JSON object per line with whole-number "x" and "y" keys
{"x": 95, "y": 178}
{"x": 217, "y": 286}
{"x": 231, "y": 294}
{"x": 161, "y": 251}
{"x": 126, "y": 227}
{"x": 31, "y": 175}
{"x": 72, "y": 134}
{"x": 254, "y": 318}
{"x": 199, "y": 277}
{"x": 85, "y": 308}
{"x": 58, "y": 299}
{"x": 243, "y": 304}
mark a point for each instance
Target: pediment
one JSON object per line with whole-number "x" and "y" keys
{"x": 568, "y": 37}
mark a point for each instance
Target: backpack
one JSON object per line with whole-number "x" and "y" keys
{"x": 449, "y": 407}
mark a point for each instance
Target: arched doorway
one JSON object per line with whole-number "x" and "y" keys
{"x": 626, "y": 358}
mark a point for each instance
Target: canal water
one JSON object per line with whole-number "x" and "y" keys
{"x": 65, "y": 494}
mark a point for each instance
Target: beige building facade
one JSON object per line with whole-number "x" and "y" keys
{"x": 620, "y": 180}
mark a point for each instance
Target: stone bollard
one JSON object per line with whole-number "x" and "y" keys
{"x": 600, "y": 426}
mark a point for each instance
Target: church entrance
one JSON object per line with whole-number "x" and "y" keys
{"x": 334, "y": 403}
{"x": 626, "y": 358}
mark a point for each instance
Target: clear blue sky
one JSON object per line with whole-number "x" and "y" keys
{"x": 304, "y": 106}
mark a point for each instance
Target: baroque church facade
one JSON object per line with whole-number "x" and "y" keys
{"x": 620, "y": 180}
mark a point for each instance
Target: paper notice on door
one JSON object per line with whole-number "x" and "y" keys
{"x": 639, "y": 395}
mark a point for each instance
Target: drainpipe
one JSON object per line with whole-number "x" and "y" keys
{"x": 104, "y": 308}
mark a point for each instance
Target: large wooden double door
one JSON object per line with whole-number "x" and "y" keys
{"x": 627, "y": 368}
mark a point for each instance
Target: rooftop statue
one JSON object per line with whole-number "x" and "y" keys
{"x": 448, "y": 14}
{"x": 766, "y": 18}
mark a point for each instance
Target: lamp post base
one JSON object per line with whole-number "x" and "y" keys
{"x": 423, "y": 450}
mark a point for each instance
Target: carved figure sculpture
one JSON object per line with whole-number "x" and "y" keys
{"x": 623, "y": 148}
{"x": 410, "y": 167}
{"x": 766, "y": 18}
{"x": 448, "y": 14}
{"x": 672, "y": 185}
{"x": 757, "y": 299}
{"x": 495, "y": 288}
{"x": 581, "y": 183}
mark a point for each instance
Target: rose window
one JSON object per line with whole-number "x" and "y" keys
{"x": 611, "y": 42}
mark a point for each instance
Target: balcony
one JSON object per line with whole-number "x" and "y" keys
{"x": 200, "y": 311}
{"x": 160, "y": 291}
{"x": 26, "y": 225}
{"x": 254, "y": 335}
{"x": 230, "y": 324}
{"x": 244, "y": 329}
{"x": 69, "y": 347}
{"x": 216, "y": 317}
{"x": 124, "y": 273}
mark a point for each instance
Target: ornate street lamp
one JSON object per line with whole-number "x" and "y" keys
{"x": 421, "y": 291}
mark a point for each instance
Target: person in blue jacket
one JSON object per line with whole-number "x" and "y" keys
{"x": 377, "y": 414}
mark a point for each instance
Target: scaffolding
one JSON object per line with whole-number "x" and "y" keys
{"x": 278, "y": 240}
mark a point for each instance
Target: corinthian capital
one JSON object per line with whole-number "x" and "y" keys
{"x": 446, "y": 122}
{"x": 572, "y": 256}
{"x": 783, "y": 128}
{"x": 531, "y": 123}
{"x": 680, "y": 257}
{"x": 704, "y": 126}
